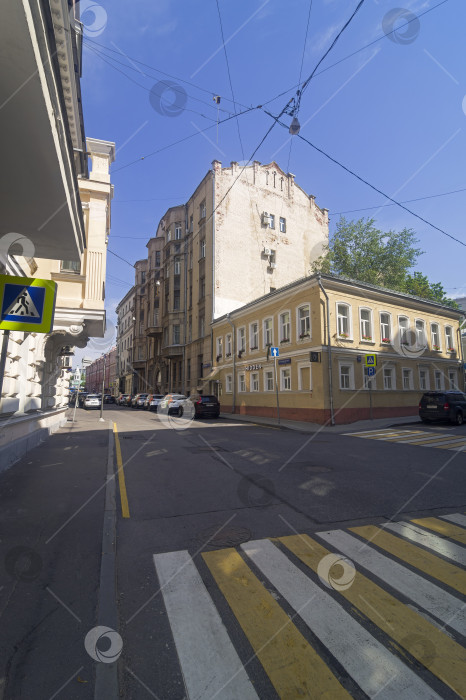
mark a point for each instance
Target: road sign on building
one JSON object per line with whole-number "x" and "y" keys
{"x": 371, "y": 360}
{"x": 27, "y": 304}
{"x": 275, "y": 352}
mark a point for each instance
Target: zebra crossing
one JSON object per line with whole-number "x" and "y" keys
{"x": 422, "y": 438}
{"x": 376, "y": 611}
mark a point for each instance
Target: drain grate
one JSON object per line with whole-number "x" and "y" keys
{"x": 218, "y": 536}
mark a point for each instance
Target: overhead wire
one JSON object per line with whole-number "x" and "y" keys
{"x": 404, "y": 201}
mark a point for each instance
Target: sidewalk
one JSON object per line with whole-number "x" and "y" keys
{"x": 306, "y": 427}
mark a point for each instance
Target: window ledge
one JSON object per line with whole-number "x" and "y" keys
{"x": 345, "y": 340}
{"x": 367, "y": 342}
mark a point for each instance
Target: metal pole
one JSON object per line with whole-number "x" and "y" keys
{"x": 6, "y": 337}
{"x": 370, "y": 399}
{"x": 101, "y": 419}
{"x": 276, "y": 389}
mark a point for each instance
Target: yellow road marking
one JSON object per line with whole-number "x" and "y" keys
{"x": 395, "y": 436}
{"x": 292, "y": 665}
{"x": 427, "y": 562}
{"x": 121, "y": 476}
{"x": 455, "y": 532}
{"x": 436, "y": 651}
{"x": 460, "y": 443}
{"x": 420, "y": 440}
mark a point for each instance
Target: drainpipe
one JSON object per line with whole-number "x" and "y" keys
{"x": 460, "y": 346}
{"x": 329, "y": 350}
{"x": 234, "y": 361}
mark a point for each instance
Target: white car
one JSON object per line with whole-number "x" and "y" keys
{"x": 172, "y": 404}
{"x": 152, "y": 402}
{"x": 92, "y": 401}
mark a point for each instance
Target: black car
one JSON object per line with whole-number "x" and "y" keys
{"x": 108, "y": 398}
{"x": 443, "y": 405}
{"x": 205, "y": 406}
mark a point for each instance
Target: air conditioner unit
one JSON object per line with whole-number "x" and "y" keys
{"x": 273, "y": 265}
{"x": 267, "y": 251}
{"x": 265, "y": 219}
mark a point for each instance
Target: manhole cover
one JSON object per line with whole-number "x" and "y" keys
{"x": 218, "y": 536}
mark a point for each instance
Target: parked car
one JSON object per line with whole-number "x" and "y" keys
{"x": 108, "y": 398}
{"x": 152, "y": 402}
{"x": 138, "y": 400}
{"x": 127, "y": 400}
{"x": 172, "y": 404}
{"x": 92, "y": 401}
{"x": 205, "y": 405}
{"x": 443, "y": 405}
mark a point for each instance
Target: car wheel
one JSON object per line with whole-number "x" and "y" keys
{"x": 180, "y": 411}
{"x": 459, "y": 419}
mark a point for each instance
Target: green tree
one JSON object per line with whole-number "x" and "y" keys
{"x": 419, "y": 285}
{"x": 363, "y": 252}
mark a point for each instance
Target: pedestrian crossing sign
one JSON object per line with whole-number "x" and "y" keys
{"x": 371, "y": 360}
{"x": 27, "y": 304}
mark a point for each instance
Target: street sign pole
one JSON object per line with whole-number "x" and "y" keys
{"x": 6, "y": 337}
{"x": 101, "y": 419}
{"x": 276, "y": 388}
{"x": 370, "y": 399}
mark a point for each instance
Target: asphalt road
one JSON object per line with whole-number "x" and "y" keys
{"x": 212, "y": 586}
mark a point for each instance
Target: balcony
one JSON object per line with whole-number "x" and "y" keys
{"x": 172, "y": 351}
{"x": 153, "y": 331}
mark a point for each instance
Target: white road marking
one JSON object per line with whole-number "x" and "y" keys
{"x": 439, "y": 603}
{"x": 211, "y": 667}
{"x": 428, "y": 539}
{"x": 376, "y": 670}
{"x": 457, "y": 518}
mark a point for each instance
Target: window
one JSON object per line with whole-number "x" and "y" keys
{"x": 346, "y": 376}
{"x": 272, "y": 220}
{"x": 285, "y": 327}
{"x": 268, "y": 332}
{"x": 201, "y": 326}
{"x": 254, "y": 335}
{"x": 435, "y": 336}
{"x": 228, "y": 345}
{"x": 365, "y": 321}
{"x": 176, "y": 334}
{"x": 202, "y": 288}
{"x": 343, "y": 320}
{"x": 403, "y": 325}
{"x": 241, "y": 382}
{"x": 452, "y": 377}
{"x": 156, "y": 318}
{"x": 202, "y": 210}
{"x": 219, "y": 345}
{"x": 177, "y": 231}
{"x": 177, "y": 266}
{"x": 285, "y": 379}
{"x": 438, "y": 376}
{"x": 389, "y": 378}
{"x": 143, "y": 277}
{"x": 229, "y": 383}
{"x": 169, "y": 235}
{"x": 304, "y": 377}
{"x": 282, "y": 222}
{"x": 268, "y": 380}
{"x": 202, "y": 248}
{"x": 385, "y": 329}
{"x": 190, "y": 329}
{"x": 449, "y": 339}
{"x": 304, "y": 321}
{"x": 424, "y": 383}
{"x": 176, "y": 300}
{"x": 407, "y": 379}
{"x": 70, "y": 266}
{"x": 420, "y": 334}
{"x": 191, "y": 223}
{"x": 241, "y": 339}
{"x": 255, "y": 381}
{"x": 157, "y": 258}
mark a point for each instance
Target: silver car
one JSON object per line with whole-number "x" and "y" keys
{"x": 92, "y": 401}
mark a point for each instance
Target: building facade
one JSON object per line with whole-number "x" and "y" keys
{"x": 125, "y": 335}
{"x": 241, "y": 234}
{"x": 322, "y": 377}
{"x": 102, "y": 373}
{"x": 55, "y": 217}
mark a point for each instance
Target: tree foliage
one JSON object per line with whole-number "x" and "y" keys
{"x": 363, "y": 252}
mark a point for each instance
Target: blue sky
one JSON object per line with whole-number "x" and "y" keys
{"x": 395, "y": 113}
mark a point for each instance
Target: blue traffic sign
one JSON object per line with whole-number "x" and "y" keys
{"x": 27, "y": 304}
{"x": 275, "y": 352}
{"x": 370, "y": 371}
